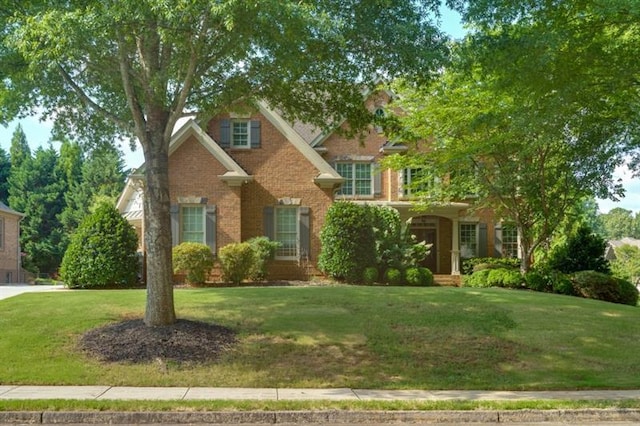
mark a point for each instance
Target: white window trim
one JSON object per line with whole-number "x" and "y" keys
{"x": 275, "y": 230}
{"x": 353, "y": 180}
{"x": 477, "y": 232}
{"x": 232, "y": 142}
{"x": 204, "y": 222}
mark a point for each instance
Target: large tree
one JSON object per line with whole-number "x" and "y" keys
{"x": 135, "y": 67}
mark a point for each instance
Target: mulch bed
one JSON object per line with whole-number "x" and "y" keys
{"x": 132, "y": 341}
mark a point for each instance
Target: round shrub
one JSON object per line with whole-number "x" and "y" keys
{"x": 348, "y": 241}
{"x": 236, "y": 261}
{"x": 102, "y": 252}
{"x": 599, "y": 286}
{"x": 628, "y": 292}
{"x": 370, "y": 275}
{"x": 195, "y": 259}
{"x": 393, "y": 276}
{"x": 477, "y": 279}
{"x": 418, "y": 276}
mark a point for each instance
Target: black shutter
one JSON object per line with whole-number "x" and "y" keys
{"x": 210, "y": 227}
{"x": 377, "y": 179}
{"x": 482, "y": 240}
{"x": 225, "y": 133}
{"x": 175, "y": 224}
{"x": 255, "y": 134}
{"x": 268, "y": 222}
{"x": 305, "y": 233}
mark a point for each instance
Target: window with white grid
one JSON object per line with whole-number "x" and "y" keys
{"x": 468, "y": 240}
{"x": 192, "y": 224}
{"x": 509, "y": 241}
{"x": 286, "y": 232}
{"x": 357, "y": 179}
{"x": 240, "y": 134}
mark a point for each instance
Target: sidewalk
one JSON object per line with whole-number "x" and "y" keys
{"x": 277, "y": 394}
{"x": 10, "y": 290}
{"x": 612, "y": 416}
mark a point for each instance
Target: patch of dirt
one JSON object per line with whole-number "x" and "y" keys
{"x": 132, "y": 341}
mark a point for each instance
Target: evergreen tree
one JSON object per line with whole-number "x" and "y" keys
{"x": 19, "y": 150}
{"x": 36, "y": 189}
{"x": 5, "y": 170}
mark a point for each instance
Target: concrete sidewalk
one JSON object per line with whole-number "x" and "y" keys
{"x": 10, "y": 290}
{"x": 8, "y": 392}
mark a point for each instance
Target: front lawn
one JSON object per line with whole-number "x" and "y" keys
{"x": 341, "y": 336}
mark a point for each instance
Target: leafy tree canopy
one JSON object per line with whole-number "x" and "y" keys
{"x": 134, "y": 67}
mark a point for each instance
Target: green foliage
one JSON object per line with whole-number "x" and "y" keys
{"x": 537, "y": 281}
{"x": 396, "y": 247}
{"x": 195, "y": 259}
{"x": 348, "y": 241}
{"x": 619, "y": 223}
{"x": 418, "y": 276}
{"x": 236, "y": 262}
{"x": 502, "y": 277}
{"x": 370, "y": 275}
{"x": 393, "y": 276}
{"x": 627, "y": 263}
{"x": 478, "y": 263}
{"x": 477, "y": 279}
{"x": 583, "y": 251}
{"x": 102, "y": 252}
{"x": 5, "y": 170}
{"x": 264, "y": 250}
{"x": 600, "y": 286}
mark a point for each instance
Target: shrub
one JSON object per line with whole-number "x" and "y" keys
{"x": 502, "y": 277}
{"x": 102, "y": 252}
{"x": 195, "y": 259}
{"x": 348, "y": 242}
{"x": 370, "y": 275}
{"x": 583, "y": 251}
{"x": 599, "y": 286}
{"x": 478, "y": 263}
{"x": 418, "y": 276}
{"x": 264, "y": 250}
{"x": 561, "y": 283}
{"x": 393, "y": 276}
{"x": 628, "y": 292}
{"x": 396, "y": 247}
{"x": 537, "y": 281}
{"x": 477, "y": 279}
{"x": 236, "y": 262}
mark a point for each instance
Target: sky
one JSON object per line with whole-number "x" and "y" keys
{"x": 38, "y": 133}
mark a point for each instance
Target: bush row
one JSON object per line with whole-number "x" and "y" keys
{"x": 413, "y": 276}
{"x": 587, "y": 284}
{"x": 238, "y": 261}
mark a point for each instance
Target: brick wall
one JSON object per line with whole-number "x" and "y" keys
{"x": 9, "y": 271}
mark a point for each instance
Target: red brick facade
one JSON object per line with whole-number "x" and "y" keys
{"x": 285, "y": 169}
{"x": 10, "y": 256}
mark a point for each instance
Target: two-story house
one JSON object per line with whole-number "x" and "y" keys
{"x": 246, "y": 175}
{"x": 10, "y": 254}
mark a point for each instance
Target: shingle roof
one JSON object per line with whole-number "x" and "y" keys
{"x": 5, "y": 209}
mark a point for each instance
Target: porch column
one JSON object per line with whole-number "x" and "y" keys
{"x": 455, "y": 248}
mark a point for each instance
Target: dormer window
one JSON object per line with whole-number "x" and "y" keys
{"x": 240, "y": 134}
{"x": 240, "y": 131}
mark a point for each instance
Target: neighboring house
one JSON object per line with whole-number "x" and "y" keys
{"x": 612, "y": 245}
{"x": 242, "y": 176}
{"x": 10, "y": 254}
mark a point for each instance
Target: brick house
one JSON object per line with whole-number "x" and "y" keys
{"x": 10, "y": 255}
{"x": 247, "y": 175}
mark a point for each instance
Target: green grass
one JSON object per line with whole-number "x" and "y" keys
{"x": 340, "y": 336}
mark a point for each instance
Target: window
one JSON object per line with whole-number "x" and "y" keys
{"x": 509, "y": 241}
{"x": 415, "y": 180}
{"x": 357, "y": 179}
{"x": 286, "y": 232}
{"x": 468, "y": 240}
{"x": 192, "y": 224}
{"x": 240, "y": 131}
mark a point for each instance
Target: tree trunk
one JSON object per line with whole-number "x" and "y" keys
{"x": 157, "y": 231}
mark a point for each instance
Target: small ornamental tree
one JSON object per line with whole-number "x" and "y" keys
{"x": 348, "y": 242}
{"x": 583, "y": 251}
{"x": 102, "y": 252}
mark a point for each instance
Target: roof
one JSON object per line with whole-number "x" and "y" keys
{"x": 6, "y": 209}
{"x": 625, "y": 241}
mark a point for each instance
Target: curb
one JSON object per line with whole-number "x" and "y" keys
{"x": 320, "y": 417}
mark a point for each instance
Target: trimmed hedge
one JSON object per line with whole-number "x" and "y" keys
{"x": 195, "y": 259}
{"x": 599, "y": 286}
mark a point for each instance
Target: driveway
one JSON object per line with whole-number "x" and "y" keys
{"x": 10, "y": 290}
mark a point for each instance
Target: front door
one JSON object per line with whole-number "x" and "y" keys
{"x": 429, "y": 235}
